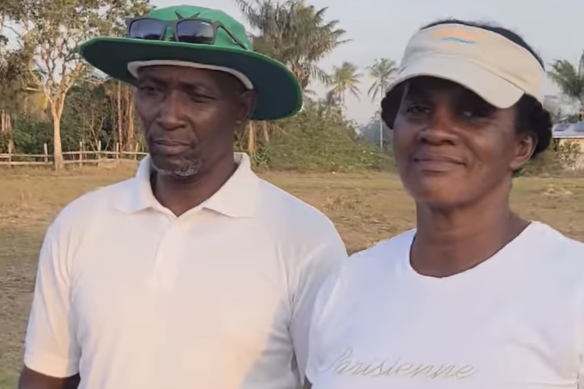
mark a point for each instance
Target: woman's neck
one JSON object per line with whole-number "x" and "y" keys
{"x": 452, "y": 241}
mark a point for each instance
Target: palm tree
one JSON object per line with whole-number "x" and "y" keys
{"x": 381, "y": 72}
{"x": 570, "y": 80}
{"x": 294, "y": 33}
{"x": 345, "y": 78}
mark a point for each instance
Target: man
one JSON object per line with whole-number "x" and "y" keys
{"x": 195, "y": 273}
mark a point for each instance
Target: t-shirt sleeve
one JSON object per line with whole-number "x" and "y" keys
{"x": 323, "y": 261}
{"x": 50, "y": 345}
{"x": 316, "y": 334}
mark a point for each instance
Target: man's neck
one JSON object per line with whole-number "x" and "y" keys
{"x": 450, "y": 242}
{"x": 182, "y": 195}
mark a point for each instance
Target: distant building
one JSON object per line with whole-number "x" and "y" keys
{"x": 571, "y": 132}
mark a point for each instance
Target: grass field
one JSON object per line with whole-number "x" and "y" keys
{"x": 365, "y": 208}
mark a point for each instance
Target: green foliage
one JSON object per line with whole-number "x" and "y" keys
{"x": 567, "y": 153}
{"x": 53, "y": 98}
{"x": 295, "y": 34}
{"x": 382, "y": 71}
{"x": 569, "y": 78}
{"x": 345, "y": 78}
{"x": 312, "y": 142}
{"x": 561, "y": 156}
{"x": 5, "y": 138}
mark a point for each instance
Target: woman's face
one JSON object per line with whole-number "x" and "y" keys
{"x": 452, "y": 148}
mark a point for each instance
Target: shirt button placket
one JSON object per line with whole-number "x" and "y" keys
{"x": 163, "y": 270}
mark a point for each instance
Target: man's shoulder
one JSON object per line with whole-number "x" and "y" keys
{"x": 285, "y": 209}
{"x": 300, "y": 230}
{"x": 97, "y": 202}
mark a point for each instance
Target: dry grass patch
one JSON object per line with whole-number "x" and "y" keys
{"x": 365, "y": 207}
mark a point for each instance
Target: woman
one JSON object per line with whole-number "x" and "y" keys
{"x": 476, "y": 296}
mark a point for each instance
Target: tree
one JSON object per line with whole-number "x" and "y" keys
{"x": 50, "y": 31}
{"x": 293, "y": 33}
{"x": 345, "y": 78}
{"x": 570, "y": 80}
{"x": 86, "y": 109}
{"x": 370, "y": 131}
{"x": 381, "y": 72}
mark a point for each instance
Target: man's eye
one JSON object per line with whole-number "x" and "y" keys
{"x": 147, "y": 89}
{"x": 199, "y": 97}
{"x": 417, "y": 109}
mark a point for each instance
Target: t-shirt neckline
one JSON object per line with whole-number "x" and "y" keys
{"x": 503, "y": 255}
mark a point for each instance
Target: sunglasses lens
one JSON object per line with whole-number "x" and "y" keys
{"x": 195, "y": 31}
{"x": 146, "y": 29}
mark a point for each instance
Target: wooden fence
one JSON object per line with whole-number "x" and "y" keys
{"x": 80, "y": 158}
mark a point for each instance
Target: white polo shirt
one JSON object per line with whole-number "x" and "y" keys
{"x": 131, "y": 296}
{"x": 515, "y": 321}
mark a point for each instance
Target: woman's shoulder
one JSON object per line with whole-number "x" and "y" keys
{"x": 350, "y": 281}
{"x": 386, "y": 249}
{"x": 548, "y": 240}
{"x": 381, "y": 257}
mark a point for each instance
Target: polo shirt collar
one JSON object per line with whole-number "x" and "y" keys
{"x": 236, "y": 198}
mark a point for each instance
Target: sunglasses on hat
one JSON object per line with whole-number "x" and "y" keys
{"x": 197, "y": 31}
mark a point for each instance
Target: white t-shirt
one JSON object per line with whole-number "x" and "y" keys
{"x": 132, "y": 297}
{"x": 516, "y": 321}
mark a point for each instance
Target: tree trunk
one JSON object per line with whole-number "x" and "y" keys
{"x": 380, "y": 119}
{"x": 266, "y": 132}
{"x": 121, "y": 139}
{"x": 251, "y": 139}
{"x": 57, "y": 150}
{"x": 129, "y": 120}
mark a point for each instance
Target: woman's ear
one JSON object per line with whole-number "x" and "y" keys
{"x": 524, "y": 149}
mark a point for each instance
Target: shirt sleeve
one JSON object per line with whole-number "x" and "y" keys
{"x": 50, "y": 345}
{"x": 316, "y": 335}
{"x": 325, "y": 259}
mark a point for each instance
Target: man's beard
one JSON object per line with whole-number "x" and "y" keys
{"x": 189, "y": 168}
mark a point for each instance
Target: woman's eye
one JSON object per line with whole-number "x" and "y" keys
{"x": 476, "y": 113}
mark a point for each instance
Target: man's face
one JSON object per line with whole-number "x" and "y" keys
{"x": 189, "y": 117}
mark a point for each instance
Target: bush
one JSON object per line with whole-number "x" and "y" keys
{"x": 561, "y": 156}
{"x": 5, "y": 138}
{"x": 567, "y": 154}
{"x": 311, "y": 141}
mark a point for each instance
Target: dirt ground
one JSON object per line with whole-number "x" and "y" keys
{"x": 366, "y": 208}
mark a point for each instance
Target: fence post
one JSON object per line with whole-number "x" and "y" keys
{"x": 46, "y": 151}
{"x": 10, "y": 151}
{"x": 98, "y": 152}
{"x": 80, "y": 153}
{"x": 136, "y": 150}
{"x": 117, "y": 150}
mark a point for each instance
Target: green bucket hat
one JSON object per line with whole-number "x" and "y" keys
{"x": 279, "y": 94}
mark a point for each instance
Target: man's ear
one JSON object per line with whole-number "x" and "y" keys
{"x": 248, "y": 103}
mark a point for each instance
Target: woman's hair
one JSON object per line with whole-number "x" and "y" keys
{"x": 531, "y": 117}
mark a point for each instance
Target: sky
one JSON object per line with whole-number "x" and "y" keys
{"x": 382, "y": 28}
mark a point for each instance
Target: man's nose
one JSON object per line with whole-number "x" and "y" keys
{"x": 169, "y": 117}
